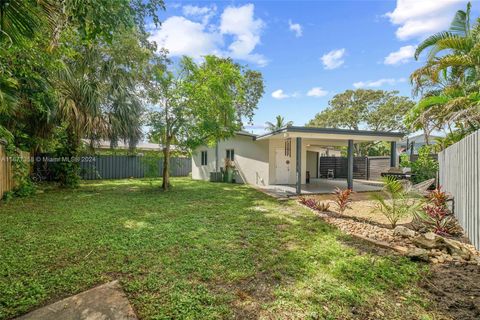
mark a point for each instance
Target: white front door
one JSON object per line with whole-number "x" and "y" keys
{"x": 282, "y": 166}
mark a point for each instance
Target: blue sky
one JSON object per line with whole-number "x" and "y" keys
{"x": 308, "y": 51}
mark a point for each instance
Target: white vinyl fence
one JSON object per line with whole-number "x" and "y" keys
{"x": 460, "y": 176}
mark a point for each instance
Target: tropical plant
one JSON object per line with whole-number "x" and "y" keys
{"x": 314, "y": 204}
{"x": 342, "y": 199}
{"x": 425, "y": 167}
{"x": 396, "y": 201}
{"x": 449, "y": 81}
{"x": 435, "y": 215}
{"x": 278, "y": 124}
{"x": 18, "y": 19}
{"x": 73, "y": 70}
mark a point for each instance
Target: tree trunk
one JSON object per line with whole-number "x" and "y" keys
{"x": 166, "y": 165}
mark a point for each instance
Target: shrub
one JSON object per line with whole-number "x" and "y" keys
{"x": 342, "y": 199}
{"x": 436, "y": 216}
{"x": 314, "y": 204}
{"x": 151, "y": 162}
{"x": 424, "y": 168}
{"x": 25, "y": 189}
{"x": 396, "y": 201}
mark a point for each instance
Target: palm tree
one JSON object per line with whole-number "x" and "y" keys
{"x": 97, "y": 99}
{"x": 450, "y": 77}
{"x": 279, "y": 124}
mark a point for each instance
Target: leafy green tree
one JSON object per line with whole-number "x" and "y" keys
{"x": 375, "y": 110}
{"x": 71, "y": 70}
{"x": 279, "y": 124}
{"x": 200, "y": 103}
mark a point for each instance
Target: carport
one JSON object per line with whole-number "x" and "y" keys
{"x": 288, "y": 149}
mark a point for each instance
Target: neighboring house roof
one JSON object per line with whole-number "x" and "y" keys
{"x": 340, "y": 132}
{"x": 147, "y": 146}
{"x": 419, "y": 139}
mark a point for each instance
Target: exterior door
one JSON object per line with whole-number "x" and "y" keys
{"x": 282, "y": 166}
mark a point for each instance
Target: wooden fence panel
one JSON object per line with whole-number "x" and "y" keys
{"x": 6, "y": 172}
{"x": 459, "y": 175}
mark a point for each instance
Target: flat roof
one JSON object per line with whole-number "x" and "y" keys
{"x": 334, "y": 132}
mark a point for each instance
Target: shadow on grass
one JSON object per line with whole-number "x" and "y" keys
{"x": 201, "y": 250}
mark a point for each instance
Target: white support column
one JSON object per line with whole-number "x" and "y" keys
{"x": 299, "y": 165}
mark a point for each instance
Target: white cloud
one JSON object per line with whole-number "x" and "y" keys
{"x": 203, "y": 13}
{"x": 333, "y": 59}
{"x": 417, "y": 19}
{"x": 185, "y": 37}
{"x": 378, "y": 83}
{"x": 279, "y": 94}
{"x": 182, "y": 36}
{"x": 403, "y": 55}
{"x": 296, "y": 28}
{"x": 317, "y": 92}
{"x": 190, "y": 10}
{"x": 242, "y": 25}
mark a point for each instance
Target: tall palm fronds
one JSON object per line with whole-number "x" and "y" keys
{"x": 18, "y": 19}
{"x": 279, "y": 124}
{"x": 98, "y": 100}
{"x": 450, "y": 77}
{"x": 80, "y": 90}
{"x": 8, "y": 93}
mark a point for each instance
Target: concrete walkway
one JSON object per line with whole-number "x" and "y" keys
{"x": 105, "y": 302}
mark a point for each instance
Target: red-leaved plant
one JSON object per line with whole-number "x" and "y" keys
{"x": 314, "y": 204}
{"x": 436, "y": 216}
{"x": 342, "y": 199}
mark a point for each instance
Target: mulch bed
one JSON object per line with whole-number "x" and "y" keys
{"x": 455, "y": 289}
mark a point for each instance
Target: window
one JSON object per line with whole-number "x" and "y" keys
{"x": 230, "y": 154}
{"x": 288, "y": 147}
{"x": 204, "y": 158}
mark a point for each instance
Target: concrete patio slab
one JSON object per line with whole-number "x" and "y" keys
{"x": 321, "y": 186}
{"x": 105, "y": 302}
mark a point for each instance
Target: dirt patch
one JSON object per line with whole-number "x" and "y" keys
{"x": 455, "y": 289}
{"x": 249, "y": 294}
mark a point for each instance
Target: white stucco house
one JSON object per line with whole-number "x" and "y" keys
{"x": 283, "y": 157}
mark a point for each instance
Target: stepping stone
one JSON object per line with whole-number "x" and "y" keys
{"x": 105, "y": 302}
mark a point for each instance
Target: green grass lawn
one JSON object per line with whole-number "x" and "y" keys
{"x": 200, "y": 251}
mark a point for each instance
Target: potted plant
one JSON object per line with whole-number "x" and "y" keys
{"x": 229, "y": 170}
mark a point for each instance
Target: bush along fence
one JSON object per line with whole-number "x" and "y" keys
{"x": 459, "y": 174}
{"x": 94, "y": 167}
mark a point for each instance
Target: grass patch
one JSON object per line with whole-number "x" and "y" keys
{"x": 200, "y": 251}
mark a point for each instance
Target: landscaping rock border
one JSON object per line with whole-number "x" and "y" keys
{"x": 428, "y": 247}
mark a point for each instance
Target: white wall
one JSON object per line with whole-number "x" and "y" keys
{"x": 251, "y": 160}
